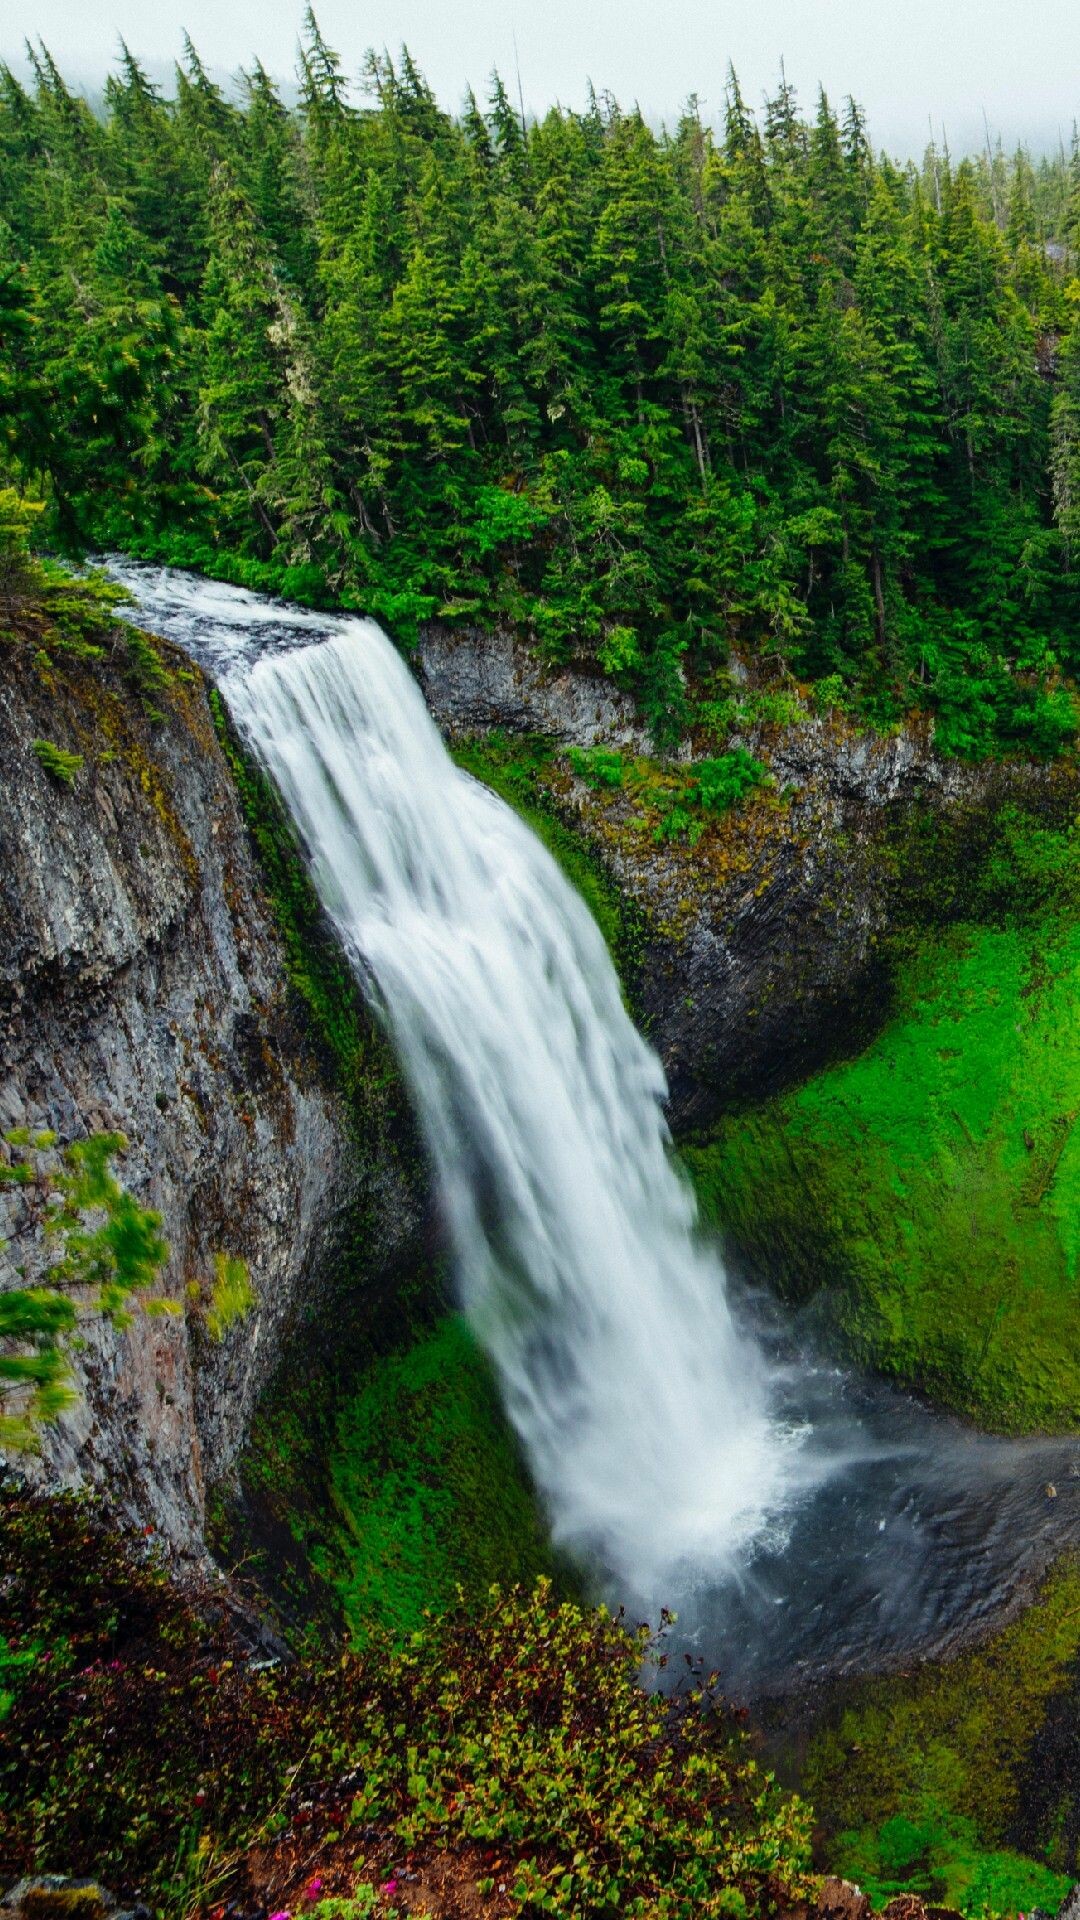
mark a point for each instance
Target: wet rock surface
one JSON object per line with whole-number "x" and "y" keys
{"x": 143, "y": 989}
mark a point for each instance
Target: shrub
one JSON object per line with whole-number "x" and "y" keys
{"x": 513, "y": 1739}
{"x": 720, "y": 784}
{"x": 233, "y": 1296}
{"x": 597, "y": 766}
{"x": 831, "y": 695}
{"x": 619, "y": 653}
{"x": 62, "y": 766}
{"x": 713, "y": 786}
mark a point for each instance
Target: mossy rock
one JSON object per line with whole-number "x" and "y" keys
{"x": 931, "y": 1186}
{"x": 922, "y": 1781}
{"x": 54, "y": 1898}
{"x": 383, "y": 1480}
{"x": 429, "y": 1487}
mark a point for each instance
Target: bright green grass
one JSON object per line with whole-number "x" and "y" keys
{"x": 934, "y": 1182}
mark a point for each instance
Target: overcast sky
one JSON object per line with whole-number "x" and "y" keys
{"x": 907, "y": 60}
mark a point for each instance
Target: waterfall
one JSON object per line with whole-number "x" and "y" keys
{"x": 644, "y": 1411}
{"x": 644, "y": 1414}
{"x": 803, "y": 1521}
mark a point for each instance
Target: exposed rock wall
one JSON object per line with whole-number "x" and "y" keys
{"x": 476, "y": 680}
{"x": 143, "y": 988}
{"x": 763, "y": 956}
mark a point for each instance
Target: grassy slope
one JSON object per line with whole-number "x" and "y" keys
{"x": 934, "y": 1182}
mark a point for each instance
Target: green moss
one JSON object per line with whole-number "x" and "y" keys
{"x": 429, "y": 1486}
{"x": 63, "y": 1903}
{"x": 391, "y": 1470}
{"x": 920, "y": 1780}
{"x": 933, "y": 1183}
{"x": 937, "y": 1856}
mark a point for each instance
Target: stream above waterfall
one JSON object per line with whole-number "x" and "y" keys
{"x": 689, "y": 1450}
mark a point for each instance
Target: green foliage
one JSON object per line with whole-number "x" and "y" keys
{"x": 635, "y": 394}
{"x": 938, "y": 1857}
{"x": 17, "y": 521}
{"x": 830, "y": 695}
{"x": 109, "y": 1257}
{"x": 512, "y": 1732}
{"x": 63, "y": 766}
{"x": 233, "y": 1295}
{"x": 719, "y": 784}
{"x": 597, "y": 766}
{"x": 359, "y": 1905}
{"x": 713, "y": 786}
{"x": 147, "y": 671}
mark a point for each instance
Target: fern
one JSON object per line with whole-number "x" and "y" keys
{"x": 61, "y": 765}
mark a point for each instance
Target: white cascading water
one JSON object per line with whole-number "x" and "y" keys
{"x": 645, "y": 1412}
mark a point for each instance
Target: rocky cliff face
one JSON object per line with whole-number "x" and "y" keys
{"x": 763, "y": 953}
{"x": 143, "y": 988}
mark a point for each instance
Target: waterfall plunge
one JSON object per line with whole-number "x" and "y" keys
{"x": 645, "y": 1412}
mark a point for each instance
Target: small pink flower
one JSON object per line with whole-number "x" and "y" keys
{"x": 282, "y": 1915}
{"x": 313, "y": 1888}
{"x": 388, "y": 1886}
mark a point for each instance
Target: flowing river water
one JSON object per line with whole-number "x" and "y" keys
{"x": 688, "y": 1451}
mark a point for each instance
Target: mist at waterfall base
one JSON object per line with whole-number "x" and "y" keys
{"x": 689, "y": 1456}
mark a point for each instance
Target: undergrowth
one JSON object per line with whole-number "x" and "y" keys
{"x": 141, "y": 1743}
